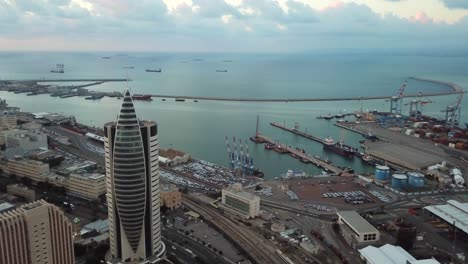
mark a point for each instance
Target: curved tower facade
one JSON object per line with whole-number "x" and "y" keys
{"x": 132, "y": 174}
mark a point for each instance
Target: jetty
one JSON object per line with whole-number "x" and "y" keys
{"x": 301, "y": 155}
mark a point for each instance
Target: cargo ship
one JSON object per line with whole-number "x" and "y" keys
{"x": 59, "y": 68}
{"x": 142, "y": 97}
{"x": 153, "y": 70}
{"x": 338, "y": 148}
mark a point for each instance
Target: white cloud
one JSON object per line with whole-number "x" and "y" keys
{"x": 235, "y": 3}
{"x": 281, "y": 27}
{"x": 226, "y": 18}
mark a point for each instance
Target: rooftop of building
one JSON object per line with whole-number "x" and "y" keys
{"x": 171, "y": 153}
{"x": 19, "y": 186}
{"x": 452, "y": 212}
{"x": 237, "y": 189}
{"x": 99, "y": 225}
{"x": 29, "y": 161}
{"x": 357, "y": 222}
{"x": 90, "y": 176}
{"x": 390, "y": 254}
{"x": 169, "y": 188}
{"x": 4, "y": 206}
{"x": 33, "y": 205}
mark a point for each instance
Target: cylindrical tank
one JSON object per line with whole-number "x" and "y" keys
{"x": 382, "y": 173}
{"x": 399, "y": 181}
{"x": 415, "y": 179}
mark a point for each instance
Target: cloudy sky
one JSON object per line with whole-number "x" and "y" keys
{"x": 232, "y": 25}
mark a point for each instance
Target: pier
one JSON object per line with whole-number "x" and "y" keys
{"x": 301, "y": 155}
{"x": 297, "y": 132}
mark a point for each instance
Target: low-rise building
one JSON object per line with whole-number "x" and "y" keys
{"x": 7, "y": 119}
{"x": 26, "y": 140}
{"x": 172, "y": 157}
{"x": 86, "y": 186}
{"x": 33, "y": 169}
{"x": 171, "y": 197}
{"x": 22, "y": 191}
{"x": 390, "y": 254}
{"x": 355, "y": 229}
{"x": 453, "y": 213}
{"x": 239, "y": 202}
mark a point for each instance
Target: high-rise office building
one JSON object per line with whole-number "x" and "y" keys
{"x": 132, "y": 176}
{"x": 36, "y": 233}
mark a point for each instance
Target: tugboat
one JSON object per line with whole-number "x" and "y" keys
{"x": 339, "y": 148}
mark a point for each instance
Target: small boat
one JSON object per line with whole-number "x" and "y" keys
{"x": 221, "y": 70}
{"x": 300, "y": 149}
{"x": 466, "y": 125}
{"x": 293, "y": 155}
{"x": 340, "y": 115}
{"x": 196, "y": 101}
{"x": 180, "y": 100}
{"x": 105, "y": 58}
{"x": 153, "y": 70}
{"x": 129, "y": 67}
{"x": 163, "y": 99}
{"x": 269, "y": 146}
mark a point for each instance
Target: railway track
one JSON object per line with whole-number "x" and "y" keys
{"x": 259, "y": 249}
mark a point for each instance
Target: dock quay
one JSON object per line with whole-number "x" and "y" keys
{"x": 310, "y": 159}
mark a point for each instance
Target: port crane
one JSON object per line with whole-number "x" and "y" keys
{"x": 452, "y": 112}
{"x": 397, "y": 100}
{"x": 416, "y": 105}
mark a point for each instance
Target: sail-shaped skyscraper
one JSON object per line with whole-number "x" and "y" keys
{"x": 132, "y": 175}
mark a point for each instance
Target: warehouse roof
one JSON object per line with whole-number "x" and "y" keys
{"x": 391, "y": 254}
{"x": 451, "y": 212}
{"x": 356, "y": 221}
